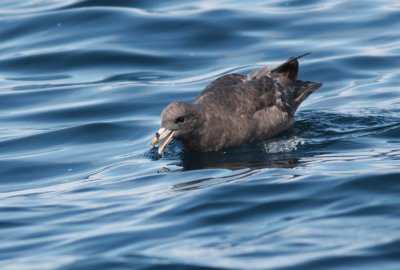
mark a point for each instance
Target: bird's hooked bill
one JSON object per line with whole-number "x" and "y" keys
{"x": 165, "y": 136}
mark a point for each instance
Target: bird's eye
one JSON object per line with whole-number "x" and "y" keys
{"x": 179, "y": 119}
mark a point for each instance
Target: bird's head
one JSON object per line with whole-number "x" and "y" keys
{"x": 178, "y": 120}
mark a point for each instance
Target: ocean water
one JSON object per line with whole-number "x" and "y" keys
{"x": 82, "y": 85}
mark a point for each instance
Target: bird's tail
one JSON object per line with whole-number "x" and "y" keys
{"x": 303, "y": 90}
{"x": 290, "y": 69}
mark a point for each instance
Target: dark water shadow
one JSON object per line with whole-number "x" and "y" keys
{"x": 251, "y": 156}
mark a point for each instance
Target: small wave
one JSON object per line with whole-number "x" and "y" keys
{"x": 82, "y": 85}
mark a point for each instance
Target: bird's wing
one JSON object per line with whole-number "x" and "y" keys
{"x": 288, "y": 69}
{"x": 274, "y": 113}
{"x": 239, "y": 95}
{"x": 223, "y": 83}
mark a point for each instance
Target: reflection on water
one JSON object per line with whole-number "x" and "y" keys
{"x": 256, "y": 159}
{"x": 254, "y": 155}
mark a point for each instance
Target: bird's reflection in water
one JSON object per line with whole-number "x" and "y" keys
{"x": 276, "y": 153}
{"x": 280, "y": 153}
{"x": 251, "y": 157}
{"x": 242, "y": 162}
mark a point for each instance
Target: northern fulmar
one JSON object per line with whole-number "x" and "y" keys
{"x": 235, "y": 109}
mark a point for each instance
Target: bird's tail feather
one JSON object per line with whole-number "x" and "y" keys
{"x": 303, "y": 90}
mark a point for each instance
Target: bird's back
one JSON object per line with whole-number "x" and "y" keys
{"x": 260, "y": 90}
{"x": 237, "y": 94}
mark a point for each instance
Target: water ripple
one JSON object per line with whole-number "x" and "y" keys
{"x": 82, "y": 84}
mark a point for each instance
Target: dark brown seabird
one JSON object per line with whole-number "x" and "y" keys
{"x": 235, "y": 109}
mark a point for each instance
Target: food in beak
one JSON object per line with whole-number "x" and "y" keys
{"x": 163, "y": 135}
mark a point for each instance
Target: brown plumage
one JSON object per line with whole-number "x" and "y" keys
{"x": 235, "y": 109}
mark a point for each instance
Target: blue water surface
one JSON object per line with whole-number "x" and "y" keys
{"x": 82, "y": 85}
